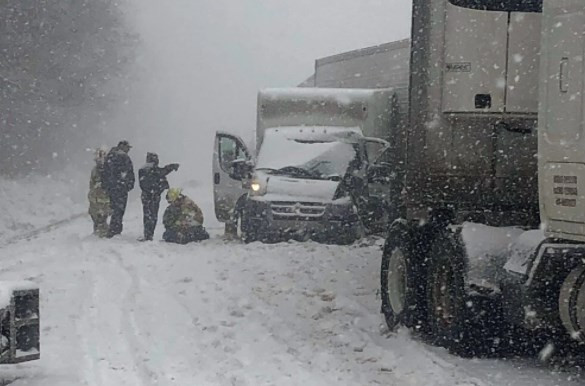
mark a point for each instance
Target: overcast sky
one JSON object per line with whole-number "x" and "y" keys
{"x": 203, "y": 61}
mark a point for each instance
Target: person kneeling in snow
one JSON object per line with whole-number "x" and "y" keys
{"x": 183, "y": 220}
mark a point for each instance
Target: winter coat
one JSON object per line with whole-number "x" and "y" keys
{"x": 182, "y": 215}
{"x": 99, "y": 199}
{"x": 118, "y": 172}
{"x": 153, "y": 179}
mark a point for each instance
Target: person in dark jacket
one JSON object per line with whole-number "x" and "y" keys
{"x": 153, "y": 182}
{"x": 119, "y": 179}
{"x": 183, "y": 219}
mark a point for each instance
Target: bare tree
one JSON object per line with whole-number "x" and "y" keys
{"x": 61, "y": 66}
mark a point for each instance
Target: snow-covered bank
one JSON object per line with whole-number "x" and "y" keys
{"x": 33, "y": 202}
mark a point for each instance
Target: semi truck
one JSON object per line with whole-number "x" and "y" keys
{"x": 491, "y": 228}
{"x": 320, "y": 169}
{"x": 494, "y": 136}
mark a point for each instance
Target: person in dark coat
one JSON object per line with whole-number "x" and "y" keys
{"x": 183, "y": 219}
{"x": 153, "y": 182}
{"x": 119, "y": 179}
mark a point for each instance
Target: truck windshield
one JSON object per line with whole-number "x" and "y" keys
{"x": 501, "y": 5}
{"x": 281, "y": 155}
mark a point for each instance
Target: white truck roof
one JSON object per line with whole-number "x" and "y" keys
{"x": 370, "y": 110}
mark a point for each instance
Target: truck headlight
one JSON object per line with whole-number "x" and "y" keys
{"x": 255, "y": 186}
{"x": 258, "y": 187}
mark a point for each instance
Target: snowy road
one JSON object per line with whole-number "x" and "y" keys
{"x": 120, "y": 312}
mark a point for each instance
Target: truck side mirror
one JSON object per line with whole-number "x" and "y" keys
{"x": 241, "y": 169}
{"x": 379, "y": 173}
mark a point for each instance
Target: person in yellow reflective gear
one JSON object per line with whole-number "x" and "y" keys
{"x": 99, "y": 200}
{"x": 183, "y": 219}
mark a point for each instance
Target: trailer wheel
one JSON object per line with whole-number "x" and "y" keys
{"x": 447, "y": 297}
{"x": 572, "y": 303}
{"x": 398, "y": 279}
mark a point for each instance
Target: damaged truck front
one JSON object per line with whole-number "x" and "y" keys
{"x": 321, "y": 170}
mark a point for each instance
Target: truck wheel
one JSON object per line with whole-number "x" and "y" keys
{"x": 446, "y": 294}
{"x": 247, "y": 234}
{"x": 451, "y": 322}
{"x": 398, "y": 279}
{"x": 572, "y": 303}
{"x": 349, "y": 235}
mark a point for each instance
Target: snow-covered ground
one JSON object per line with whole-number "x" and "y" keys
{"x": 121, "y": 312}
{"x": 25, "y": 207}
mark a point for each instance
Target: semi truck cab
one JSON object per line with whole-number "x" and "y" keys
{"x": 560, "y": 260}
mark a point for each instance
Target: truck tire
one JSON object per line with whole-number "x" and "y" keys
{"x": 572, "y": 303}
{"x": 400, "y": 280}
{"x": 446, "y": 292}
{"x": 468, "y": 325}
{"x": 246, "y": 231}
{"x": 349, "y": 234}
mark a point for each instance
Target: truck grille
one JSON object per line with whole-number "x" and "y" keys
{"x": 288, "y": 210}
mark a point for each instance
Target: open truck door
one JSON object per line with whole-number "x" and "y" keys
{"x": 232, "y": 166}
{"x": 380, "y": 176}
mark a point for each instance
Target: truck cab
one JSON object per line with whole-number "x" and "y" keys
{"x": 557, "y": 271}
{"x": 315, "y": 174}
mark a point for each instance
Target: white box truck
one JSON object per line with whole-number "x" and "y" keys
{"x": 321, "y": 168}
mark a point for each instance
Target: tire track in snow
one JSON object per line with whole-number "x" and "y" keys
{"x": 109, "y": 355}
{"x": 333, "y": 330}
{"x": 298, "y": 342}
{"x": 50, "y": 254}
{"x": 129, "y": 325}
{"x": 86, "y": 324}
{"x": 172, "y": 366}
{"x": 38, "y": 231}
{"x": 277, "y": 291}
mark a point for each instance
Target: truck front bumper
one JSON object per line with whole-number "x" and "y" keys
{"x": 278, "y": 221}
